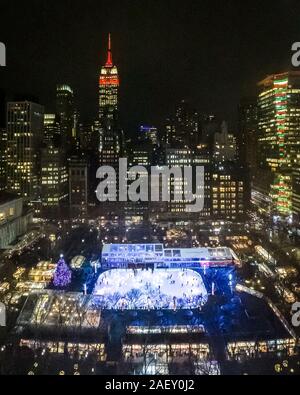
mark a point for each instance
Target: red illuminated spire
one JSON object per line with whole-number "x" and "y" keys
{"x": 109, "y": 62}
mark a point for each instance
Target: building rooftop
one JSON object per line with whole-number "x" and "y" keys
{"x": 6, "y": 197}
{"x": 269, "y": 80}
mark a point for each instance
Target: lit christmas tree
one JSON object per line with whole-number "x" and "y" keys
{"x": 62, "y": 275}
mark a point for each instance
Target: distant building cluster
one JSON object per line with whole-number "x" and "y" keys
{"x": 50, "y": 158}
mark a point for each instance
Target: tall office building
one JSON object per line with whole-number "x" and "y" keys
{"x": 183, "y": 129}
{"x": 224, "y": 146}
{"x": 209, "y": 127}
{"x": 52, "y": 131}
{"x": 139, "y": 154}
{"x": 3, "y": 141}
{"x": 2, "y": 108}
{"x": 110, "y": 136}
{"x": 279, "y": 137}
{"x": 54, "y": 177}
{"x": 181, "y": 157}
{"x": 202, "y": 157}
{"x": 110, "y": 133}
{"x": 76, "y": 130}
{"x": 198, "y": 157}
{"x": 87, "y": 139}
{"x": 169, "y": 132}
{"x": 296, "y": 194}
{"x": 248, "y": 136}
{"x": 65, "y": 111}
{"x": 25, "y": 126}
{"x": 3, "y": 159}
{"x": 229, "y": 193}
{"x": 178, "y": 157}
{"x": 78, "y": 186}
{"x": 108, "y": 87}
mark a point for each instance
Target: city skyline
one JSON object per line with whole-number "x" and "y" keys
{"x": 150, "y": 189}
{"x": 206, "y": 58}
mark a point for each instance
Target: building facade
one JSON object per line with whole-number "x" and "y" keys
{"x": 3, "y": 159}
{"x": 110, "y": 139}
{"x": 225, "y": 148}
{"x": 78, "y": 186}
{"x": 279, "y": 137}
{"x": 25, "y": 126}
{"x": 140, "y": 154}
{"x": 52, "y": 130}
{"x": 248, "y": 136}
{"x": 108, "y": 86}
{"x": 229, "y": 195}
{"x": 179, "y": 158}
{"x": 110, "y": 134}
{"x": 65, "y": 110}
{"x": 54, "y": 177}
{"x": 184, "y": 128}
{"x": 296, "y": 194}
{"x": 14, "y": 220}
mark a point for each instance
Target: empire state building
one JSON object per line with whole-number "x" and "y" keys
{"x": 110, "y": 132}
{"x": 108, "y": 87}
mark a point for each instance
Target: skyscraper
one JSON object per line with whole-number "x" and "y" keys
{"x": 247, "y": 136}
{"x": 54, "y": 177}
{"x": 78, "y": 185}
{"x": 3, "y": 158}
{"x": 183, "y": 130}
{"x": 224, "y": 146}
{"x": 139, "y": 154}
{"x": 229, "y": 193}
{"x": 52, "y": 131}
{"x": 178, "y": 158}
{"x": 181, "y": 157}
{"x": 110, "y": 136}
{"x": 66, "y": 115}
{"x": 279, "y": 136}
{"x": 3, "y": 141}
{"x": 296, "y": 194}
{"x": 110, "y": 133}
{"x": 25, "y": 123}
{"x": 108, "y": 87}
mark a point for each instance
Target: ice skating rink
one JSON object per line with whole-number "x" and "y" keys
{"x": 130, "y": 289}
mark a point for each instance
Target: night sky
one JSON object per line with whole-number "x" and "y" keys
{"x": 209, "y": 52}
